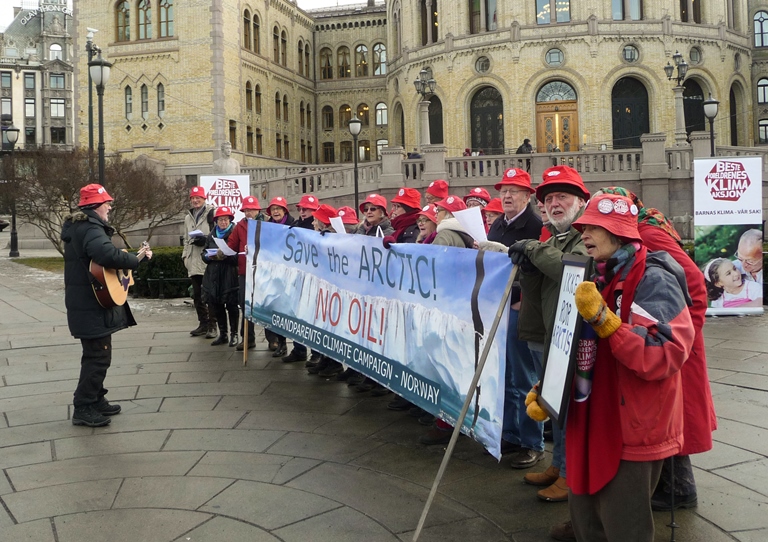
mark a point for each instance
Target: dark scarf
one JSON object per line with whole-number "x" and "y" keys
{"x": 429, "y": 238}
{"x": 403, "y": 222}
{"x": 648, "y": 215}
{"x": 607, "y": 270}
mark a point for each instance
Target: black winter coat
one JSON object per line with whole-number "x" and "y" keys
{"x": 305, "y": 223}
{"x": 87, "y": 238}
{"x": 220, "y": 279}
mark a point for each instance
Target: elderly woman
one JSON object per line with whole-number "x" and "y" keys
{"x": 632, "y": 420}
{"x": 491, "y": 212}
{"x": 405, "y": 209}
{"x": 374, "y": 209}
{"x": 349, "y": 218}
{"x": 477, "y": 197}
{"x": 449, "y": 232}
{"x": 427, "y": 223}
{"x": 278, "y": 213}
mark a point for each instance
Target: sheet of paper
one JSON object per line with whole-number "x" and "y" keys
{"x": 196, "y": 233}
{"x": 379, "y": 232}
{"x": 222, "y": 244}
{"x": 338, "y": 224}
{"x": 211, "y": 252}
{"x": 472, "y": 221}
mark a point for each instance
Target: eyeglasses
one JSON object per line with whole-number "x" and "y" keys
{"x": 746, "y": 261}
{"x": 370, "y": 209}
{"x": 422, "y": 221}
{"x": 512, "y": 192}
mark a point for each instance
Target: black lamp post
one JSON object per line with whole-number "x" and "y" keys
{"x": 91, "y": 49}
{"x": 681, "y": 136}
{"x": 710, "y": 111}
{"x": 12, "y": 135}
{"x": 425, "y": 86}
{"x": 99, "y": 70}
{"x": 355, "y": 125}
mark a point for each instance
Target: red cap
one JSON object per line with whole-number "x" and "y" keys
{"x": 93, "y": 194}
{"x": 438, "y": 188}
{"x": 377, "y": 200}
{"x": 617, "y": 214}
{"x": 324, "y": 213}
{"x": 430, "y": 211}
{"x": 279, "y": 201}
{"x": 408, "y": 196}
{"x": 493, "y": 207}
{"x": 309, "y": 202}
{"x": 452, "y": 204}
{"x": 250, "y": 203}
{"x": 561, "y": 179}
{"x": 224, "y": 211}
{"x": 515, "y": 177}
{"x": 348, "y": 215}
{"x": 197, "y": 192}
{"x": 480, "y": 194}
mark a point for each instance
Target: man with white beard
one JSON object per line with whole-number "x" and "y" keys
{"x": 564, "y": 196}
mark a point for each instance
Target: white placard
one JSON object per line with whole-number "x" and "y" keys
{"x": 338, "y": 224}
{"x": 226, "y": 191}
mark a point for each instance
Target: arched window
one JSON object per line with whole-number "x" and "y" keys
{"x": 483, "y": 16}
{"x": 144, "y": 101}
{"x": 160, "y": 100}
{"x": 428, "y": 21}
{"x": 276, "y": 45}
{"x": 123, "y": 20}
{"x": 342, "y": 56}
{"x": 285, "y": 108}
{"x": 55, "y": 52}
{"x": 283, "y": 48}
{"x": 396, "y": 30}
{"x": 247, "y": 29}
{"x": 259, "y": 142}
{"x": 486, "y": 112}
{"x": 693, "y": 97}
{"x": 629, "y": 103}
{"x": 249, "y": 139}
{"x": 257, "y": 99}
{"x": 379, "y": 59}
{"x": 128, "y": 102}
{"x": 145, "y": 20}
{"x": 363, "y": 114}
{"x": 381, "y": 114}
{"x": 554, "y": 11}
{"x": 301, "y": 57}
{"x": 166, "y": 18}
{"x": 761, "y": 29}
{"x": 306, "y": 60}
{"x": 690, "y": 16}
{"x": 309, "y": 117}
{"x": 278, "y": 103}
{"x": 301, "y": 113}
{"x": 762, "y": 131}
{"x": 762, "y": 91}
{"x": 327, "y": 118}
{"x": 256, "y": 34}
{"x": 248, "y": 96}
{"x": 326, "y": 64}
{"x": 361, "y": 61}
{"x": 345, "y": 115}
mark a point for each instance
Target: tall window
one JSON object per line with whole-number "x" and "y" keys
{"x": 276, "y": 44}
{"x": 5, "y": 106}
{"x": 345, "y": 115}
{"x": 327, "y": 118}
{"x": 247, "y": 29}
{"x": 257, "y": 99}
{"x": 361, "y": 61}
{"x": 303, "y": 151}
{"x": 482, "y": 15}
{"x": 285, "y": 108}
{"x": 283, "y": 48}
{"x": 259, "y": 142}
{"x": 363, "y": 114}
{"x": 57, "y": 107}
{"x": 309, "y": 117}
{"x": 301, "y": 114}
{"x": 306, "y": 60}
{"x": 301, "y": 57}
{"x": 5, "y": 80}
{"x": 554, "y": 11}
{"x": 428, "y": 21}
{"x": 286, "y": 148}
{"x": 364, "y": 150}
{"x": 144, "y": 101}
{"x": 249, "y": 139}
{"x": 328, "y": 156}
{"x": 57, "y": 80}
{"x": 166, "y": 18}
{"x": 326, "y": 64}
{"x": 762, "y": 130}
{"x": 762, "y": 91}
{"x": 631, "y": 10}
{"x": 123, "y": 20}
{"x": 233, "y": 133}
{"x": 58, "y": 135}
{"x": 248, "y": 96}
{"x": 379, "y": 59}
{"x": 29, "y": 107}
{"x": 256, "y": 34}
{"x": 29, "y": 81}
{"x": 342, "y": 56}
{"x": 278, "y": 103}
{"x": 55, "y": 52}
{"x": 160, "y": 100}
{"x": 145, "y": 20}
{"x": 380, "y": 144}
{"x": 278, "y": 146}
{"x": 761, "y": 29}
{"x": 690, "y": 11}
{"x": 381, "y": 114}
{"x": 345, "y": 151}
{"x": 128, "y": 102}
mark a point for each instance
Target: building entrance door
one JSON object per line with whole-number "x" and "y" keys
{"x": 557, "y": 126}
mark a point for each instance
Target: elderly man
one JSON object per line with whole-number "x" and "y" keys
{"x": 564, "y": 196}
{"x": 750, "y": 255}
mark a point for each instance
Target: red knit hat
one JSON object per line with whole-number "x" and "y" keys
{"x": 308, "y": 202}
{"x": 348, "y": 215}
{"x": 493, "y": 207}
{"x": 197, "y": 192}
{"x": 617, "y": 214}
{"x": 480, "y": 194}
{"x": 452, "y": 204}
{"x": 224, "y": 211}
{"x": 408, "y": 196}
{"x": 324, "y": 213}
{"x": 561, "y": 179}
{"x": 93, "y": 194}
{"x": 515, "y": 177}
{"x": 250, "y": 203}
{"x": 430, "y": 211}
{"x": 377, "y": 200}
{"x": 279, "y": 201}
{"x": 438, "y": 188}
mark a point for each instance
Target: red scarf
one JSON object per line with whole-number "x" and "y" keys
{"x": 595, "y": 442}
{"x": 402, "y": 222}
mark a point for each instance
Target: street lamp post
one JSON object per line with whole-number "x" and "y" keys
{"x": 710, "y": 111}
{"x": 99, "y": 71}
{"x": 91, "y": 49}
{"x": 355, "y": 124}
{"x": 12, "y": 135}
{"x": 681, "y": 135}
{"x": 425, "y": 86}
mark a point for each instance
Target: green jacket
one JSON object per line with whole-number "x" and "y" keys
{"x": 541, "y": 289}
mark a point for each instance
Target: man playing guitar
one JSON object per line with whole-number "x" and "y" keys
{"x": 87, "y": 237}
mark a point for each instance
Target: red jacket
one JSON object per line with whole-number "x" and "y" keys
{"x": 237, "y": 240}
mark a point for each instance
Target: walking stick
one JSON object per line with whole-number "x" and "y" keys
{"x": 467, "y": 402}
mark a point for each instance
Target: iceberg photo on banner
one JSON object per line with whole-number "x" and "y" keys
{"x": 413, "y": 318}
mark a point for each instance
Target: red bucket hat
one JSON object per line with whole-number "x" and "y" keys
{"x": 324, "y": 213}
{"x": 430, "y": 211}
{"x": 197, "y": 192}
{"x": 617, "y": 214}
{"x": 561, "y": 179}
{"x": 478, "y": 193}
{"x": 377, "y": 200}
{"x": 224, "y": 211}
{"x": 250, "y": 203}
{"x": 452, "y": 204}
{"x": 438, "y": 188}
{"x": 279, "y": 201}
{"x": 493, "y": 207}
{"x": 93, "y": 194}
{"x": 309, "y": 202}
{"x": 515, "y": 177}
{"x": 408, "y": 196}
{"x": 348, "y": 215}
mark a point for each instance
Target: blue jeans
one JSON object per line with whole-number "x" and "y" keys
{"x": 520, "y": 377}
{"x": 558, "y": 435}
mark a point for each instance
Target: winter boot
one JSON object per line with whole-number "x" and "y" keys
{"x": 212, "y": 331}
{"x": 200, "y": 330}
{"x": 89, "y": 416}
{"x": 233, "y": 339}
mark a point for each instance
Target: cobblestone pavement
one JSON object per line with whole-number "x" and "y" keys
{"x": 209, "y": 450}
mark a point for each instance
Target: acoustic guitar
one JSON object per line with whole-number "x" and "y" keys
{"x": 111, "y": 285}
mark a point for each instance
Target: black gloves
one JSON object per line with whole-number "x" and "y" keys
{"x": 519, "y": 257}
{"x": 198, "y": 241}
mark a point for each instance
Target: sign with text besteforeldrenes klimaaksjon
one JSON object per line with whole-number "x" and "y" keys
{"x": 728, "y": 232}
{"x": 413, "y": 317}
{"x": 226, "y": 191}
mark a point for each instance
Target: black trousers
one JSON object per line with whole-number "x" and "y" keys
{"x": 223, "y": 311}
{"x": 204, "y": 314}
{"x": 97, "y": 357}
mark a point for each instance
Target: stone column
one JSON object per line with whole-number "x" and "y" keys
{"x": 434, "y": 163}
{"x": 392, "y": 168}
{"x": 680, "y": 134}
{"x": 654, "y": 172}
{"x": 424, "y": 120}
{"x": 700, "y": 144}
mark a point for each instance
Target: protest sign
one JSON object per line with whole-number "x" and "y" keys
{"x": 413, "y": 318}
{"x": 226, "y": 191}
